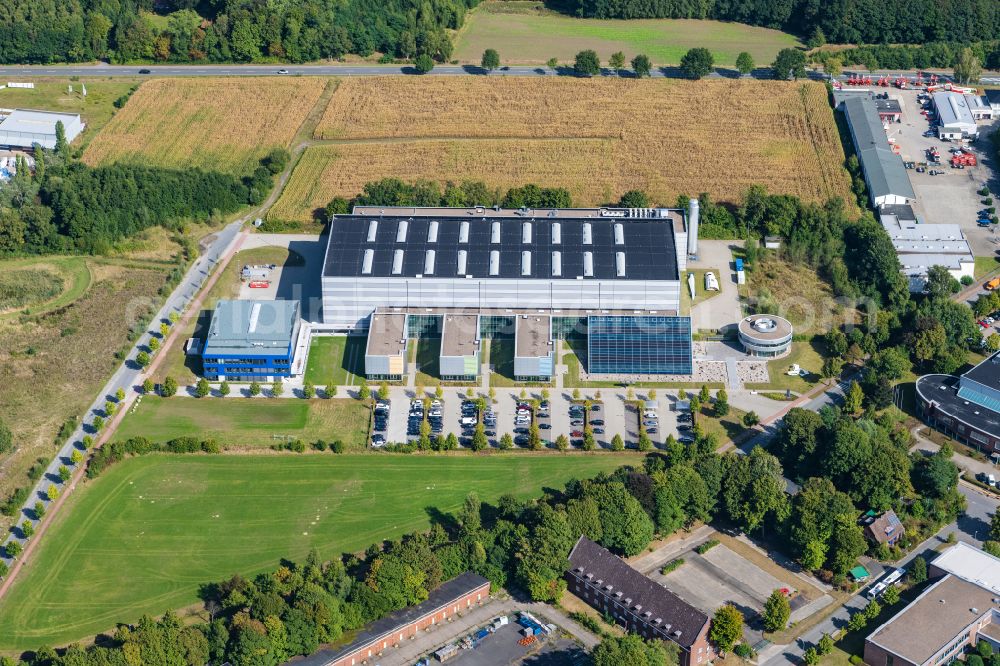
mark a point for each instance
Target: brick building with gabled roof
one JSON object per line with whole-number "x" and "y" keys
{"x": 641, "y": 605}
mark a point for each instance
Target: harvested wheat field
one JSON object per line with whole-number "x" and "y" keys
{"x": 595, "y": 137}
{"x": 224, "y": 124}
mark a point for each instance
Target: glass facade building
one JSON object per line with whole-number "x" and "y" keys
{"x": 639, "y": 344}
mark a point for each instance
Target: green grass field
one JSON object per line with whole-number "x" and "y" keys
{"x": 337, "y": 360}
{"x": 144, "y": 536}
{"x": 985, "y": 266}
{"x": 526, "y": 32}
{"x": 248, "y": 422}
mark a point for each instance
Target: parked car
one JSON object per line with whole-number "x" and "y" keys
{"x": 378, "y": 440}
{"x": 521, "y": 431}
{"x": 576, "y": 433}
{"x": 521, "y": 440}
{"x": 649, "y": 422}
{"x": 650, "y": 431}
{"x": 545, "y": 426}
{"x": 595, "y": 408}
{"x": 598, "y": 431}
{"x": 596, "y": 422}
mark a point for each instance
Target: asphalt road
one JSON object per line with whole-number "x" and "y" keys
{"x": 127, "y": 375}
{"x": 103, "y": 69}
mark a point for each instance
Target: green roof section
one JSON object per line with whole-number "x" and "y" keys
{"x": 859, "y": 573}
{"x": 252, "y": 327}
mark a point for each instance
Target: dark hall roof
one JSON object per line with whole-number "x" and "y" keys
{"x": 648, "y": 246}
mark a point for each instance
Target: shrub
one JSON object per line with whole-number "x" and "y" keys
{"x": 707, "y": 546}
{"x": 337, "y": 446}
{"x": 672, "y": 565}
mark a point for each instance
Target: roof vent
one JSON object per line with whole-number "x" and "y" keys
{"x": 620, "y": 264}
{"x": 397, "y": 262}
{"x": 526, "y": 232}
{"x": 463, "y": 260}
{"x": 432, "y": 232}
{"x": 366, "y": 267}
{"x": 372, "y": 230}
{"x": 526, "y": 263}
{"x": 401, "y": 231}
{"x": 429, "y": 263}
{"x": 494, "y": 262}
{"x": 495, "y": 232}
{"x": 557, "y": 264}
{"x": 619, "y": 233}
{"x": 588, "y": 235}
{"x": 556, "y": 233}
{"x": 588, "y": 264}
{"x": 463, "y": 232}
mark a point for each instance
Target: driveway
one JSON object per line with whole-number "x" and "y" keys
{"x": 723, "y": 310}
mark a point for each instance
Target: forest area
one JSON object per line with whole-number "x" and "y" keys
{"x": 47, "y": 31}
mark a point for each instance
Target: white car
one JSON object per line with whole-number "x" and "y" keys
{"x": 711, "y": 282}
{"x": 282, "y": 71}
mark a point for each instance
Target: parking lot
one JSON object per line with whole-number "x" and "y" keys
{"x": 951, "y": 197}
{"x": 608, "y": 417}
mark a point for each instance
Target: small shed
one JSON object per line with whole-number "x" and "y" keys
{"x": 859, "y": 574}
{"x": 772, "y": 242}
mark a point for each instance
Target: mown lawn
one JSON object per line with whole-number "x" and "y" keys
{"x": 525, "y": 32}
{"x": 336, "y": 360}
{"x": 248, "y": 422}
{"x": 144, "y": 536}
{"x": 807, "y": 356}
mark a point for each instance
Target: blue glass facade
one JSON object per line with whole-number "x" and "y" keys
{"x": 639, "y": 344}
{"x": 248, "y": 368}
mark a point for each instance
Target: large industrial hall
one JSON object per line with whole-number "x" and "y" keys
{"x": 534, "y": 276}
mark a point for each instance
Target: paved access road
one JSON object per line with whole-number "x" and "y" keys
{"x": 127, "y": 375}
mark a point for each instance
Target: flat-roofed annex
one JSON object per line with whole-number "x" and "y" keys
{"x": 460, "y": 336}
{"x": 386, "y": 335}
{"x": 532, "y": 335}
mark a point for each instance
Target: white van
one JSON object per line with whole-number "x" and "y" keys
{"x": 468, "y": 420}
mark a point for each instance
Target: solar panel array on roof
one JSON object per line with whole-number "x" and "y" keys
{"x": 641, "y": 249}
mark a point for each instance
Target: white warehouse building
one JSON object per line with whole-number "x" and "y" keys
{"x": 22, "y": 128}
{"x": 955, "y": 117}
{"x": 920, "y": 246}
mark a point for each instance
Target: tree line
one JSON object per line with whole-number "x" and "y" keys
{"x": 65, "y": 206}
{"x": 844, "y": 22}
{"x": 46, "y": 31}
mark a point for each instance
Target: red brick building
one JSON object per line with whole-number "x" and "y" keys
{"x": 448, "y": 600}
{"x": 638, "y": 603}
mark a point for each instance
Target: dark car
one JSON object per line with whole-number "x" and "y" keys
{"x": 576, "y": 422}
{"x": 597, "y": 422}
{"x": 600, "y": 431}
{"x": 144, "y": 71}
{"x": 521, "y": 431}
{"x": 595, "y": 408}
{"x": 491, "y": 433}
{"x": 521, "y": 440}
{"x": 545, "y": 426}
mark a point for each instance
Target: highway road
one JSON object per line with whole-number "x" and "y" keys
{"x": 126, "y": 377}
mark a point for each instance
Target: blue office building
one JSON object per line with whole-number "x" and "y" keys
{"x": 251, "y": 340}
{"x": 639, "y": 344}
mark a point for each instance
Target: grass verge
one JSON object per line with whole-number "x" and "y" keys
{"x": 248, "y": 422}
